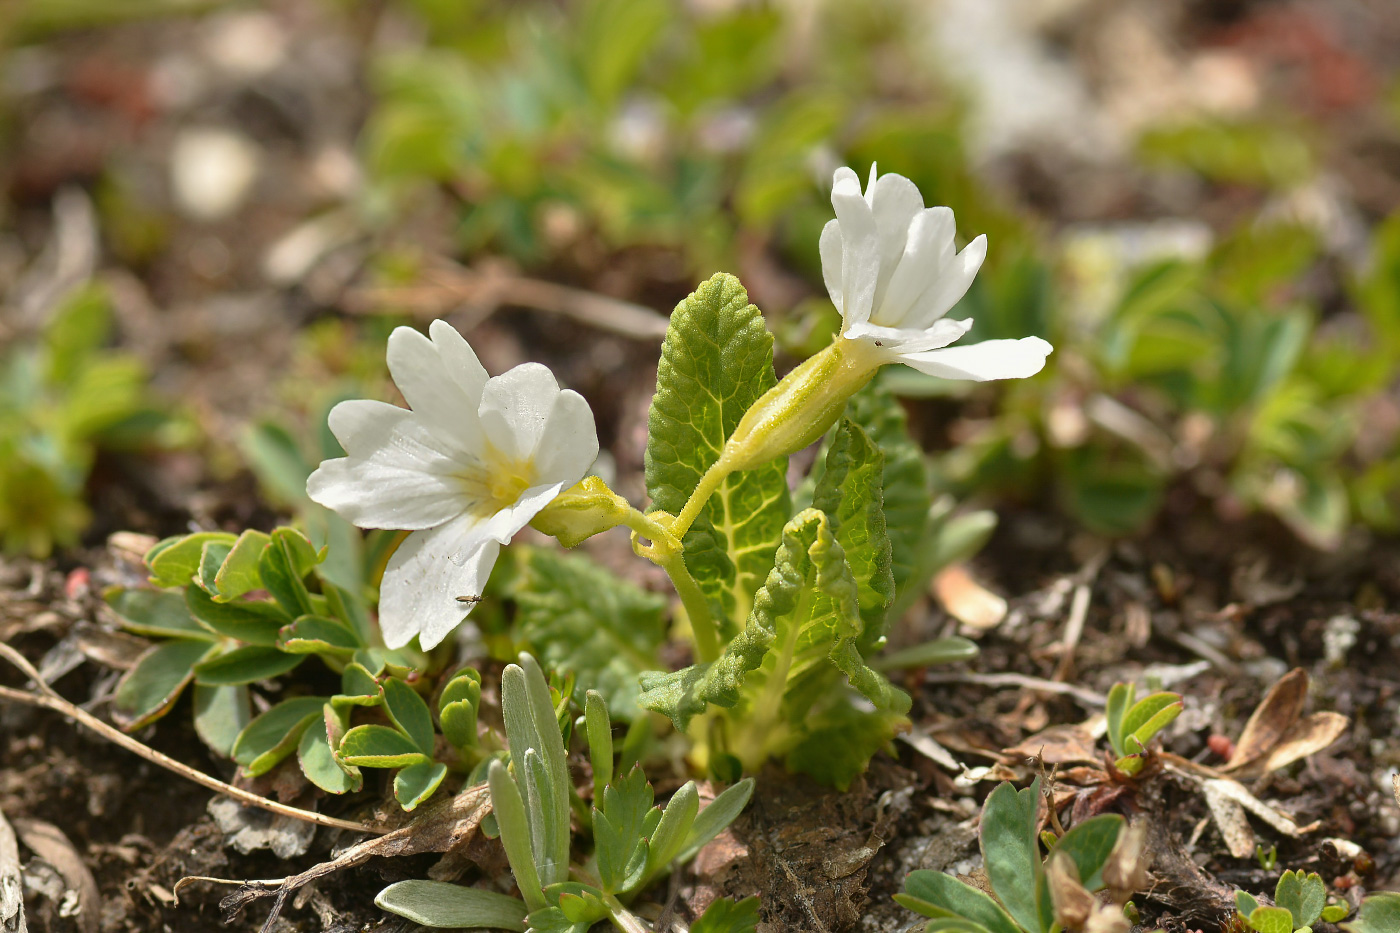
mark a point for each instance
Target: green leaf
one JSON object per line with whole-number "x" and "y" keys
{"x": 1333, "y": 913}
{"x": 375, "y": 746}
{"x": 249, "y": 621}
{"x": 929, "y": 653}
{"x": 667, "y": 840}
{"x": 284, "y": 562}
{"x": 726, "y": 916}
{"x": 318, "y": 635}
{"x": 148, "y": 691}
{"x": 238, "y": 574}
{"x": 274, "y": 735}
{"x": 835, "y": 744}
{"x": 1245, "y": 902}
{"x": 318, "y": 762}
{"x": 210, "y": 561}
{"x": 851, "y": 493}
{"x": 531, "y": 725}
{"x": 1271, "y": 920}
{"x": 176, "y": 563}
{"x": 509, "y": 809}
{"x": 220, "y": 714}
{"x": 409, "y": 712}
{"x": 1379, "y": 913}
{"x": 586, "y": 621}
{"x": 906, "y": 498}
{"x": 715, "y": 363}
{"x": 158, "y": 615}
{"x": 417, "y": 783}
{"x": 357, "y": 681}
{"x": 600, "y": 745}
{"x": 1151, "y": 715}
{"x": 1302, "y": 895}
{"x": 1089, "y": 844}
{"x": 457, "y": 708}
{"x": 1010, "y": 851}
{"x": 800, "y": 638}
{"x": 553, "y": 920}
{"x": 716, "y": 817}
{"x": 952, "y": 898}
{"x": 245, "y": 666}
{"x": 439, "y": 904}
{"x": 1120, "y": 697}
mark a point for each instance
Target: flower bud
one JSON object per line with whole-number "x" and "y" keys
{"x": 582, "y": 511}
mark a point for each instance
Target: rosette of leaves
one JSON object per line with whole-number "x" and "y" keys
{"x": 231, "y": 610}
{"x": 635, "y": 842}
{"x": 1300, "y": 901}
{"x": 1031, "y": 894}
{"x": 1132, "y": 723}
{"x": 801, "y": 596}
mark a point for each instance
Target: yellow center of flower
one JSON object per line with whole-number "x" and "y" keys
{"x": 495, "y": 482}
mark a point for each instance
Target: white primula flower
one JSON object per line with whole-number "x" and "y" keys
{"x": 892, "y": 270}
{"x": 466, "y": 468}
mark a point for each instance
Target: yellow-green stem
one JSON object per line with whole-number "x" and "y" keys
{"x": 715, "y": 475}
{"x": 667, "y": 552}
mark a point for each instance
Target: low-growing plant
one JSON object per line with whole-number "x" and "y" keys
{"x": 1300, "y": 901}
{"x": 63, "y": 398}
{"x": 1379, "y": 913}
{"x": 786, "y": 598}
{"x": 1031, "y": 894}
{"x": 634, "y": 842}
{"x": 1132, "y": 723}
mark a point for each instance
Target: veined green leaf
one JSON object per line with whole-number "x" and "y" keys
{"x": 245, "y": 666}
{"x": 1302, "y": 895}
{"x": 715, "y": 363}
{"x": 439, "y": 904}
{"x": 249, "y": 621}
{"x": 801, "y": 635}
{"x": 581, "y": 619}
{"x": 275, "y": 734}
{"x": 159, "y": 615}
{"x": 220, "y": 714}
{"x": 176, "y": 562}
{"x": 952, "y": 898}
{"x": 726, "y": 916}
{"x": 1271, "y": 920}
{"x": 851, "y": 493}
{"x": 1010, "y": 850}
{"x": 147, "y": 691}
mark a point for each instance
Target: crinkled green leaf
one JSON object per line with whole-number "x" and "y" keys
{"x": 801, "y": 636}
{"x": 159, "y": 615}
{"x": 176, "y": 562}
{"x": 1010, "y": 850}
{"x": 935, "y": 894}
{"x": 439, "y": 904}
{"x": 417, "y": 783}
{"x": 220, "y": 714}
{"x": 1379, "y": 913}
{"x": 245, "y": 666}
{"x": 147, "y": 691}
{"x": 836, "y": 743}
{"x": 715, "y": 363}
{"x": 583, "y": 620}
{"x": 375, "y": 746}
{"x": 1302, "y": 895}
{"x": 1089, "y": 843}
{"x": 250, "y": 621}
{"x": 851, "y": 493}
{"x": 275, "y": 734}
{"x": 318, "y": 762}
{"x": 726, "y": 916}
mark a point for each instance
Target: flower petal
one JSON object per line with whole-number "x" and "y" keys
{"x": 569, "y": 444}
{"x": 441, "y": 379}
{"x": 372, "y": 494}
{"x": 515, "y": 407}
{"x": 926, "y": 254}
{"x": 424, "y": 577}
{"x": 860, "y": 247}
{"x": 392, "y": 435}
{"x": 990, "y": 359}
{"x": 953, "y": 281}
{"x": 895, "y": 202}
{"x": 900, "y": 341}
{"x": 831, "y": 248}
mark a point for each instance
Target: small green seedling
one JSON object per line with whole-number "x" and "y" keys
{"x": 1132, "y": 723}
{"x": 1032, "y": 895}
{"x": 635, "y": 843}
{"x": 1379, "y": 913}
{"x": 1268, "y": 861}
{"x": 1301, "y": 901}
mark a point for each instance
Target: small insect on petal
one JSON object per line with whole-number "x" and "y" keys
{"x": 468, "y": 599}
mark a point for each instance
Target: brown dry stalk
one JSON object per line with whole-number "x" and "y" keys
{"x": 49, "y": 699}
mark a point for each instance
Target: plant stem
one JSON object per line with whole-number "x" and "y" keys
{"x": 623, "y": 918}
{"x": 716, "y": 474}
{"x": 697, "y": 607}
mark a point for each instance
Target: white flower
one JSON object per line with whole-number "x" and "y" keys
{"x": 892, "y": 270}
{"x": 469, "y": 466}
